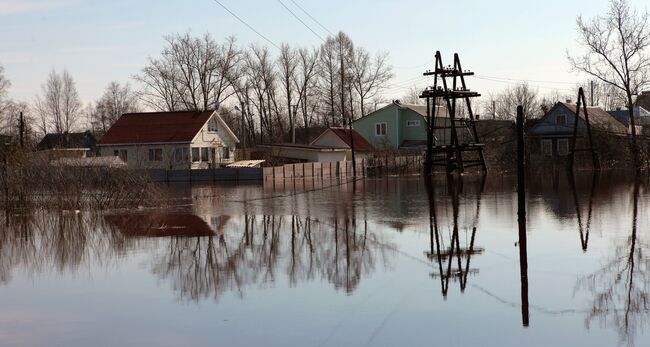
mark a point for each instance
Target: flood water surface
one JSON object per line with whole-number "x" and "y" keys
{"x": 377, "y": 262}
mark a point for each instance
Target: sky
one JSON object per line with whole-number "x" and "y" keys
{"x": 502, "y": 41}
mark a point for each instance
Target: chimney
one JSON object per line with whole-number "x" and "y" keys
{"x": 568, "y": 101}
{"x": 396, "y": 101}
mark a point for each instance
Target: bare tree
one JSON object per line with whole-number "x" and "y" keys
{"x": 60, "y": 106}
{"x": 616, "y": 47}
{"x": 412, "y": 96}
{"x": 306, "y": 83}
{"x": 115, "y": 101}
{"x": 4, "y": 88}
{"x": 288, "y": 65}
{"x": 191, "y": 74}
{"x": 504, "y": 105}
{"x": 369, "y": 76}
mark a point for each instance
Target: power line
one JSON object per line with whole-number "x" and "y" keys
{"x": 246, "y": 24}
{"x": 312, "y": 18}
{"x": 301, "y": 21}
{"x": 525, "y": 80}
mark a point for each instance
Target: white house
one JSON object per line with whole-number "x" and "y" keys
{"x": 170, "y": 140}
{"x": 331, "y": 146}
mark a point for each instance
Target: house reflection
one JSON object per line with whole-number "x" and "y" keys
{"x": 261, "y": 249}
{"x": 200, "y": 259}
{"x": 453, "y": 260}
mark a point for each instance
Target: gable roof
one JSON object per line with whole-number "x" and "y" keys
{"x": 419, "y": 109}
{"x": 160, "y": 127}
{"x": 600, "y": 119}
{"x": 67, "y": 140}
{"x": 360, "y": 143}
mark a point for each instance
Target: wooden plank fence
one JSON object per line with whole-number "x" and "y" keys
{"x": 314, "y": 170}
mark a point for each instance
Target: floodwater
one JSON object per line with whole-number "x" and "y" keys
{"x": 377, "y": 262}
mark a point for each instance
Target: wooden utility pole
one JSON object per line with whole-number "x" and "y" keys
{"x": 521, "y": 214}
{"x": 594, "y": 157}
{"x": 21, "y": 129}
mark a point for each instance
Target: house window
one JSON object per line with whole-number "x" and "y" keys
{"x": 122, "y": 153}
{"x": 204, "y": 154}
{"x": 195, "y": 155}
{"x": 180, "y": 155}
{"x": 226, "y": 153}
{"x": 560, "y": 120}
{"x": 212, "y": 125}
{"x": 155, "y": 154}
{"x": 380, "y": 129}
{"x": 547, "y": 147}
{"x": 412, "y": 123}
{"x": 563, "y": 146}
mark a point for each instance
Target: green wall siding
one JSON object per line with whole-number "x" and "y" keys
{"x": 418, "y": 133}
{"x": 390, "y": 115}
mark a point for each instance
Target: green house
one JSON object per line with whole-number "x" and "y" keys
{"x": 400, "y": 126}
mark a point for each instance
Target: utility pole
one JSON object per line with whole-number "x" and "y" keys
{"x": 293, "y": 124}
{"x": 21, "y": 129}
{"x": 591, "y": 95}
{"x": 494, "y": 110}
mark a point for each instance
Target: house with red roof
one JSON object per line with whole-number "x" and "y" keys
{"x": 170, "y": 140}
{"x": 334, "y": 144}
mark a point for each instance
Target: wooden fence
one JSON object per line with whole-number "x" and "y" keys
{"x": 338, "y": 169}
{"x": 206, "y": 175}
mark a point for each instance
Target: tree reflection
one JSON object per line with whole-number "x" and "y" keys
{"x": 39, "y": 241}
{"x": 621, "y": 287}
{"x": 252, "y": 254}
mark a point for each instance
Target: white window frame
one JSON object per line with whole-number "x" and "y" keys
{"x": 547, "y": 144}
{"x": 205, "y": 154}
{"x": 213, "y": 127}
{"x": 196, "y": 158}
{"x": 153, "y": 154}
{"x": 562, "y": 153}
{"x": 412, "y": 123}
{"x": 378, "y": 129}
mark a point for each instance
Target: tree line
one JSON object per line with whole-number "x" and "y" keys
{"x": 264, "y": 94}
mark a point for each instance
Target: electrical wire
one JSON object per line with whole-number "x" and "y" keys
{"x": 246, "y": 24}
{"x": 301, "y": 21}
{"x": 312, "y": 18}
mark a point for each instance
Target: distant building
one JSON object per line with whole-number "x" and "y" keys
{"x": 641, "y": 118}
{"x": 403, "y": 126}
{"x": 68, "y": 145}
{"x": 330, "y": 146}
{"x": 170, "y": 140}
{"x": 552, "y": 134}
{"x": 643, "y": 100}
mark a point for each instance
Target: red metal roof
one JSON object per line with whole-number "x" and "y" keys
{"x": 155, "y": 127}
{"x": 360, "y": 143}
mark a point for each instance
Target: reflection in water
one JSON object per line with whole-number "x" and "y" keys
{"x": 302, "y": 248}
{"x": 584, "y": 230}
{"x": 63, "y": 242}
{"x": 454, "y": 253}
{"x": 621, "y": 287}
{"x": 237, "y": 240}
{"x": 199, "y": 260}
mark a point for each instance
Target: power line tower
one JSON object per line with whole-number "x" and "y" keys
{"x": 449, "y": 85}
